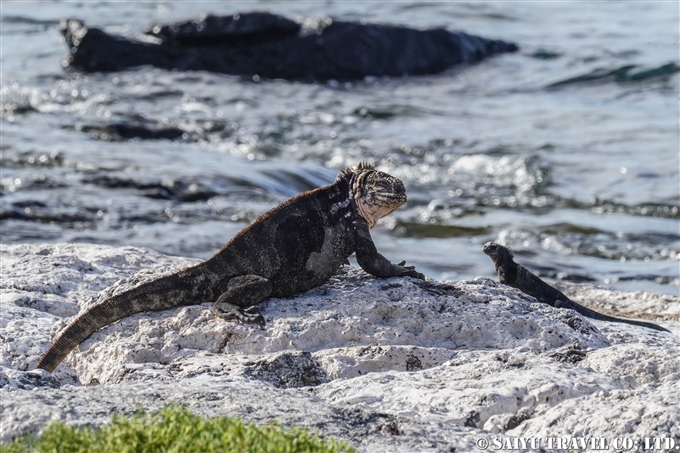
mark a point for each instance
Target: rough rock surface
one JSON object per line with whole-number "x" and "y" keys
{"x": 265, "y": 45}
{"x": 389, "y": 365}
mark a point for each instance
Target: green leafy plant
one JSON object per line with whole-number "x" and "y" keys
{"x": 175, "y": 430}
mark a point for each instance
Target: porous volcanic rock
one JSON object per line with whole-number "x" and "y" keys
{"x": 389, "y": 365}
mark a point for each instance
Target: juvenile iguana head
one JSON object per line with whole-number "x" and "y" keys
{"x": 499, "y": 254}
{"x": 376, "y": 194}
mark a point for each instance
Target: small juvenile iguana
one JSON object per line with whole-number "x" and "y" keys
{"x": 292, "y": 248}
{"x": 517, "y": 276}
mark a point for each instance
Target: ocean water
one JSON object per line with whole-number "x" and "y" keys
{"x": 568, "y": 150}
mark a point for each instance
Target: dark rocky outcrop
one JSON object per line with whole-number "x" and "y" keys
{"x": 125, "y": 130}
{"x": 269, "y": 46}
{"x": 251, "y": 28}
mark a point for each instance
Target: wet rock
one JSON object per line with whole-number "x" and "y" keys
{"x": 264, "y": 45}
{"x": 93, "y": 50}
{"x": 246, "y": 29}
{"x": 127, "y": 131}
{"x": 176, "y": 190}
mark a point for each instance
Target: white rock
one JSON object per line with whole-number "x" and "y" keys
{"x": 390, "y": 365}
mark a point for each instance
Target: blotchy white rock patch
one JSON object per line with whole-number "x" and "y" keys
{"x": 424, "y": 366}
{"x": 640, "y": 304}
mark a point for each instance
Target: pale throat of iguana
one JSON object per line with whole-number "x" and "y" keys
{"x": 376, "y": 207}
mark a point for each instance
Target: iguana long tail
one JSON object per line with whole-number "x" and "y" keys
{"x": 185, "y": 287}
{"x": 585, "y": 311}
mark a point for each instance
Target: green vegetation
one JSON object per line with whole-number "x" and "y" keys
{"x": 543, "y": 54}
{"x": 621, "y": 75}
{"x": 175, "y": 430}
{"x": 434, "y": 230}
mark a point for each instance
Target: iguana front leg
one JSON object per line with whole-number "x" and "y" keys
{"x": 243, "y": 294}
{"x": 373, "y": 262}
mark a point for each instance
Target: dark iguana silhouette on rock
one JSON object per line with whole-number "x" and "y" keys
{"x": 517, "y": 276}
{"x": 292, "y": 248}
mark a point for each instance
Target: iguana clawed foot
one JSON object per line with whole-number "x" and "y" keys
{"x": 240, "y": 300}
{"x": 250, "y": 315}
{"x": 408, "y": 271}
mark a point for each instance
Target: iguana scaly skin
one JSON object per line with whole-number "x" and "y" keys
{"x": 294, "y": 247}
{"x": 517, "y": 276}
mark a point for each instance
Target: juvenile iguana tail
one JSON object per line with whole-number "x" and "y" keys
{"x": 185, "y": 287}
{"x": 585, "y": 311}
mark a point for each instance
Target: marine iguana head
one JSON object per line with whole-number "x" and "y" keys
{"x": 499, "y": 254}
{"x": 375, "y": 193}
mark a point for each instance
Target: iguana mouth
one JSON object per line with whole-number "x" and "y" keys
{"x": 390, "y": 198}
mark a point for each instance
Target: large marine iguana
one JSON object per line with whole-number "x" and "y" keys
{"x": 517, "y": 276}
{"x": 292, "y": 248}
